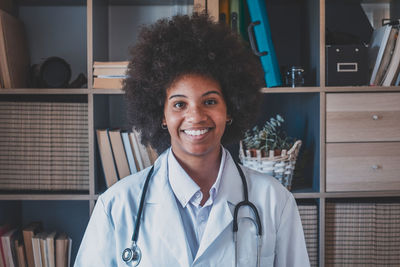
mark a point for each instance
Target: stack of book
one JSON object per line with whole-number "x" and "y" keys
{"x": 33, "y": 247}
{"x": 384, "y": 55}
{"x": 362, "y": 234}
{"x": 122, "y": 154}
{"x": 309, "y": 219}
{"x": 109, "y": 75}
{"x": 44, "y": 146}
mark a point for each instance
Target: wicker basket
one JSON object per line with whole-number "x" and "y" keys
{"x": 281, "y": 167}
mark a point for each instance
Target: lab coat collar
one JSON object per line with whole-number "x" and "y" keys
{"x": 221, "y": 215}
{"x": 171, "y": 227}
{"x": 161, "y": 208}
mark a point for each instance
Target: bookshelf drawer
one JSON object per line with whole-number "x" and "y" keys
{"x": 362, "y": 166}
{"x": 362, "y": 117}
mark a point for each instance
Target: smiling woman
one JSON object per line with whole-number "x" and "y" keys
{"x": 170, "y": 49}
{"x": 193, "y": 87}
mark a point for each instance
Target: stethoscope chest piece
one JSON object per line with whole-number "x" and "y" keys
{"x": 132, "y": 254}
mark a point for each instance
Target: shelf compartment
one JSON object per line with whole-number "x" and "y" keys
{"x": 56, "y": 28}
{"x": 56, "y": 215}
{"x": 295, "y": 34}
{"x": 44, "y": 143}
{"x": 302, "y": 121}
{"x": 362, "y": 232}
{"x": 116, "y": 24}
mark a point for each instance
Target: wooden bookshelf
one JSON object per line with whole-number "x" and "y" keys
{"x": 88, "y": 41}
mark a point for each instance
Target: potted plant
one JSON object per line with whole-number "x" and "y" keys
{"x": 269, "y": 138}
{"x": 269, "y": 150}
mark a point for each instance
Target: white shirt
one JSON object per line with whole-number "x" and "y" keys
{"x": 188, "y": 195}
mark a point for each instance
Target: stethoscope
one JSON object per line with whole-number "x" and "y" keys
{"x": 134, "y": 254}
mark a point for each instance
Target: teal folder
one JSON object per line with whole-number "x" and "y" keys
{"x": 260, "y": 37}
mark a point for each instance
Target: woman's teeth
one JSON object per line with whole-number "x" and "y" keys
{"x": 196, "y": 132}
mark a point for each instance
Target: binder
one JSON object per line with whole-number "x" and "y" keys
{"x": 260, "y": 37}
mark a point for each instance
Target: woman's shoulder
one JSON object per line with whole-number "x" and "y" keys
{"x": 130, "y": 188}
{"x": 130, "y": 185}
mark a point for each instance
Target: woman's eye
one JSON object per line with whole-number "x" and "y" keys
{"x": 210, "y": 102}
{"x": 179, "y": 105}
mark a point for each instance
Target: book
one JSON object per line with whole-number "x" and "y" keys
{"x": 376, "y": 49}
{"x": 119, "y": 153}
{"x": 106, "y": 156}
{"x": 3, "y": 229}
{"x": 14, "y": 54}
{"x": 50, "y": 248}
{"x": 63, "y": 245}
{"x": 36, "y": 250}
{"x": 28, "y": 233}
{"x": 135, "y": 147}
{"x": 387, "y": 56}
{"x": 107, "y": 83}
{"x": 109, "y": 72}
{"x": 397, "y": 82}
{"x": 393, "y": 68}
{"x": 7, "y": 241}
{"x": 43, "y": 249}
{"x": 129, "y": 153}
{"x": 224, "y": 12}
{"x": 20, "y": 250}
{"x": 237, "y": 17}
{"x": 110, "y": 64}
{"x": 263, "y": 40}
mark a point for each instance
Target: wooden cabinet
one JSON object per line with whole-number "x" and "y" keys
{"x": 351, "y": 135}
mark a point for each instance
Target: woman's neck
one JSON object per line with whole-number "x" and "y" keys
{"x": 202, "y": 170}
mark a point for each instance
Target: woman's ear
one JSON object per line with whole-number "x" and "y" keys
{"x": 229, "y": 120}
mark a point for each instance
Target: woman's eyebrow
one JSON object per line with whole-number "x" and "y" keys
{"x": 211, "y": 92}
{"x": 172, "y": 96}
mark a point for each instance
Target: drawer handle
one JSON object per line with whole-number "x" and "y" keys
{"x": 375, "y": 117}
{"x": 376, "y": 167}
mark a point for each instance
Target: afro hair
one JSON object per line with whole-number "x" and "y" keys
{"x": 171, "y": 48}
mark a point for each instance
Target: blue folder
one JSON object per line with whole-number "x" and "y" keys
{"x": 260, "y": 37}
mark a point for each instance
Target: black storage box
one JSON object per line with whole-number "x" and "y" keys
{"x": 346, "y": 65}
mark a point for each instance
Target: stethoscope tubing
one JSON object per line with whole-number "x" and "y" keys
{"x": 134, "y": 248}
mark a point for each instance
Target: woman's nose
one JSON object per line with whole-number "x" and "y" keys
{"x": 195, "y": 114}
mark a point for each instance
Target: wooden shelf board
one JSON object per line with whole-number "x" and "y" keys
{"x": 361, "y": 89}
{"x": 107, "y": 91}
{"x": 306, "y": 195}
{"x": 356, "y": 194}
{"x": 150, "y": 2}
{"x": 333, "y": 89}
{"x": 291, "y": 90}
{"x": 43, "y": 91}
{"x": 46, "y": 197}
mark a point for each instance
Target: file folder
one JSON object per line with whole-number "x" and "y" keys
{"x": 260, "y": 37}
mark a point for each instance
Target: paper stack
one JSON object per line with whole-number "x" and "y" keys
{"x": 109, "y": 75}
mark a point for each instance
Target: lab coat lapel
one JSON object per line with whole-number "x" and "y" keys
{"x": 165, "y": 217}
{"x": 221, "y": 215}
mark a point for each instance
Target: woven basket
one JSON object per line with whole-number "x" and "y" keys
{"x": 281, "y": 167}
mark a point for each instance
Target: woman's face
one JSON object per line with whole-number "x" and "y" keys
{"x": 195, "y": 113}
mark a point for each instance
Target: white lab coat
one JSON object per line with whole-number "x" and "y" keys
{"x": 162, "y": 238}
